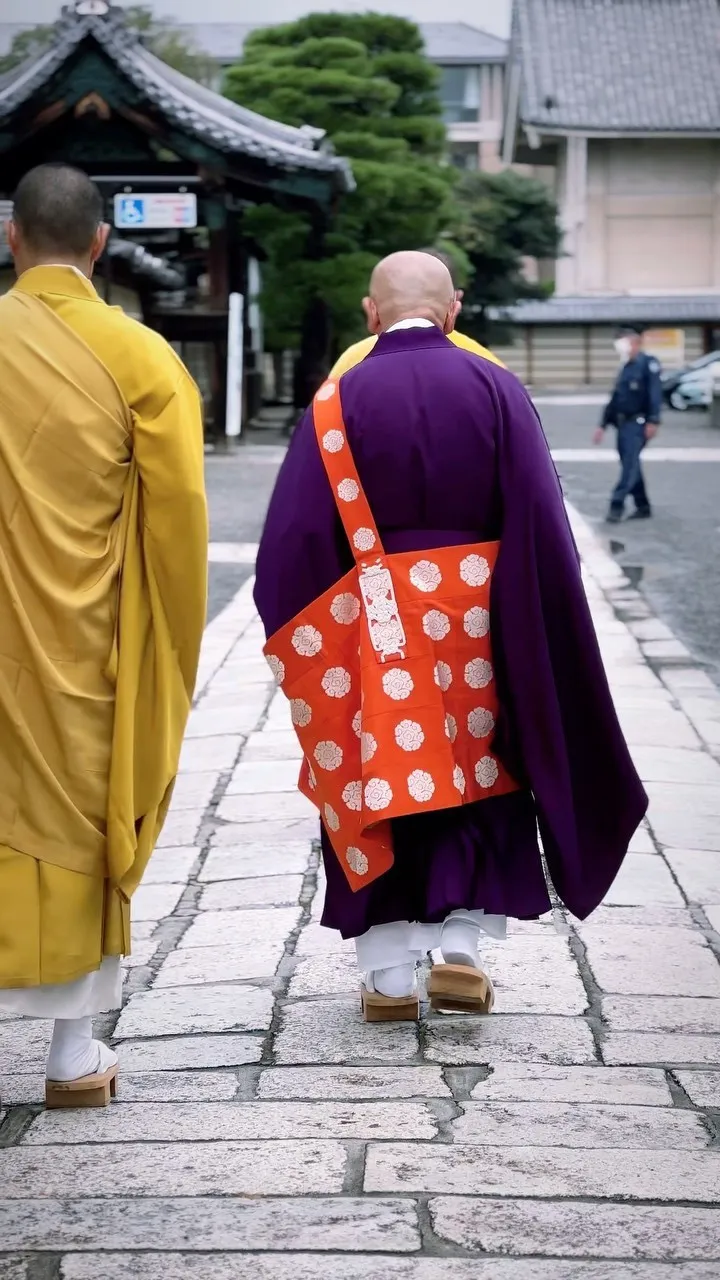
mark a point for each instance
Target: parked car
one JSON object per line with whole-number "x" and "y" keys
{"x": 691, "y": 388}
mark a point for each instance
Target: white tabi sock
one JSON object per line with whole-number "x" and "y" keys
{"x": 73, "y": 1052}
{"x": 459, "y": 942}
{"x": 398, "y": 981}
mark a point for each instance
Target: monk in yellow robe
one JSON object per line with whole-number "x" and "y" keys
{"x": 103, "y": 565}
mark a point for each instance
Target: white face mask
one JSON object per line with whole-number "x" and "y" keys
{"x": 622, "y": 346}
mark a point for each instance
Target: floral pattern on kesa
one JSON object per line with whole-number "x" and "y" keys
{"x": 336, "y": 682}
{"x": 333, "y": 441}
{"x": 397, "y": 684}
{"x": 300, "y": 712}
{"x": 421, "y": 786}
{"x": 356, "y": 861}
{"x": 331, "y": 819}
{"x": 486, "y": 772}
{"x": 436, "y": 624}
{"x": 476, "y": 622}
{"x": 409, "y": 735}
{"x": 481, "y": 722}
{"x": 352, "y": 796}
{"x": 312, "y": 780}
{"x": 459, "y": 779}
{"x": 306, "y": 641}
{"x": 378, "y": 794}
{"x": 357, "y": 723}
{"x": 368, "y": 747}
{"x": 425, "y": 575}
{"x": 364, "y": 539}
{"x": 443, "y": 676}
{"x": 451, "y": 727}
{"x": 328, "y": 755}
{"x": 348, "y": 490}
{"x": 327, "y": 391}
{"x": 277, "y": 666}
{"x": 345, "y": 608}
{"x": 474, "y": 570}
{"x": 478, "y": 673}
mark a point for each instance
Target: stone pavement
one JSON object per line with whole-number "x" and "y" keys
{"x": 264, "y": 1132}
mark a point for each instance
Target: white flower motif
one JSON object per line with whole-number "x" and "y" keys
{"x": 357, "y": 723}
{"x": 327, "y": 391}
{"x": 356, "y": 861}
{"x": 306, "y": 641}
{"x": 451, "y": 727}
{"x": 348, "y": 490}
{"x": 345, "y": 608}
{"x": 331, "y": 818}
{"x": 312, "y": 780}
{"x": 352, "y": 796}
{"x": 328, "y": 755}
{"x": 397, "y": 684}
{"x": 300, "y": 712}
{"x": 436, "y": 624}
{"x": 387, "y": 637}
{"x": 481, "y": 722}
{"x": 478, "y": 673}
{"x": 378, "y": 794}
{"x": 486, "y": 772}
{"x": 474, "y": 570}
{"x": 364, "y": 539}
{"x": 336, "y": 682}
{"x": 459, "y": 779}
{"x": 409, "y": 735}
{"x": 443, "y": 676}
{"x": 333, "y": 441}
{"x": 421, "y": 785}
{"x": 425, "y": 576}
{"x": 477, "y": 622}
{"x": 368, "y": 747}
{"x": 277, "y": 666}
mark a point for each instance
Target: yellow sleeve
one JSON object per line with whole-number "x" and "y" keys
{"x": 351, "y": 357}
{"x": 469, "y": 344}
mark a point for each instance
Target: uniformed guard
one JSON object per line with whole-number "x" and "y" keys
{"x": 634, "y": 410}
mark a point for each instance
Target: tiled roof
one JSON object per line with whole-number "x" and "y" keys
{"x": 628, "y": 65}
{"x": 444, "y": 41}
{"x": 209, "y": 116}
{"x": 617, "y": 309}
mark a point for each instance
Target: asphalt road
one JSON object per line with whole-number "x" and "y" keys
{"x": 676, "y": 554}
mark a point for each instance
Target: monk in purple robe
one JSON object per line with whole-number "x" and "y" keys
{"x": 450, "y": 451}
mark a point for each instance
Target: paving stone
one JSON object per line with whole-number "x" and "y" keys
{"x": 334, "y": 1266}
{"x": 674, "y": 1014}
{"x": 534, "y": 973}
{"x": 142, "y": 953}
{"x": 178, "y": 1052}
{"x": 618, "y": 1173}
{"x": 155, "y": 901}
{"x": 352, "y": 1082}
{"x": 181, "y": 1122}
{"x": 153, "y": 1086}
{"x": 325, "y": 975}
{"x": 660, "y": 724}
{"x": 228, "y": 720}
{"x": 560, "y": 1124}
{"x": 232, "y": 962}
{"x": 644, "y": 878}
{"x": 713, "y": 915}
{"x": 211, "y": 1223}
{"x": 676, "y": 764}
{"x": 194, "y": 790}
{"x": 201, "y": 755}
{"x": 702, "y": 1087}
{"x": 287, "y": 805}
{"x": 248, "y": 861}
{"x": 254, "y": 928}
{"x": 264, "y": 777}
{"x": 181, "y": 828}
{"x": 641, "y": 842}
{"x": 538, "y": 1083}
{"x": 509, "y": 1038}
{"x": 625, "y": 1048}
{"x": 316, "y": 940}
{"x": 143, "y": 929}
{"x": 269, "y": 831}
{"x": 698, "y": 871}
{"x": 265, "y": 891}
{"x": 333, "y": 1031}
{"x": 13, "y": 1268}
{"x": 189, "y": 1011}
{"x": 272, "y": 746}
{"x": 642, "y": 918}
{"x": 678, "y": 823}
{"x": 24, "y": 1044}
{"x": 626, "y": 962}
{"x": 170, "y": 866}
{"x": 578, "y": 1230}
{"x": 190, "y": 1168}
{"x": 680, "y": 679}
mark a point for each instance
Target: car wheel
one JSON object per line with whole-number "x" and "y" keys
{"x": 678, "y": 401}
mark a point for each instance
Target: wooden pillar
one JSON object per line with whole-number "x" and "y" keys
{"x": 217, "y": 263}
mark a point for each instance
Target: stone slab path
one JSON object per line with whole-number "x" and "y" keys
{"x": 263, "y": 1132}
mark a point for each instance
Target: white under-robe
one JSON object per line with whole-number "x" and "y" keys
{"x": 96, "y": 992}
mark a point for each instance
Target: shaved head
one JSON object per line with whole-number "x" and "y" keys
{"x": 57, "y": 217}
{"x": 410, "y": 285}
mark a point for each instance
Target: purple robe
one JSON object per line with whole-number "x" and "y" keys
{"x": 450, "y": 450}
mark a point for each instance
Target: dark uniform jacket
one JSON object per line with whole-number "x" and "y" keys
{"x": 637, "y": 393}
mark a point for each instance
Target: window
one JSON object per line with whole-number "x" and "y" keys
{"x": 464, "y": 155}
{"x": 460, "y": 93}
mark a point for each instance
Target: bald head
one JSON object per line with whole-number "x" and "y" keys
{"x": 57, "y": 217}
{"x": 408, "y": 286}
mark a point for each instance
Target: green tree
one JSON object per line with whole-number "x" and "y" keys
{"x": 364, "y": 80}
{"x": 500, "y": 220}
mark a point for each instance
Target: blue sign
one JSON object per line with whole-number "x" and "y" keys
{"x": 130, "y": 211}
{"x": 156, "y": 210}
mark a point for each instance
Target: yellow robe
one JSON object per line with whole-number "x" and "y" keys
{"x": 103, "y": 583}
{"x": 359, "y": 350}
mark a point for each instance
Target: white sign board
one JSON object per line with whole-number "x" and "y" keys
{"x": 153, "y": 211}
{"x": 234, "y": 393}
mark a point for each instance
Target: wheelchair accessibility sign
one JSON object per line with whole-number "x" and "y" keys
{"x": 155, "y": 211}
